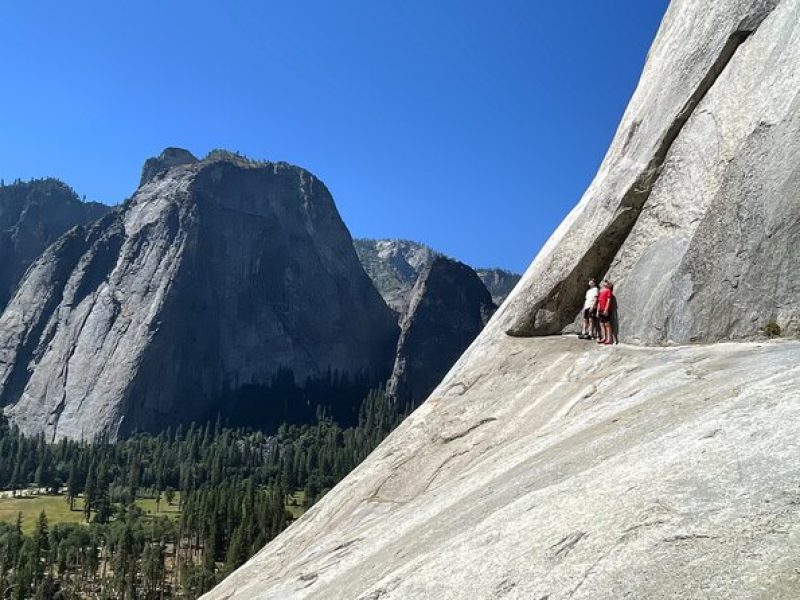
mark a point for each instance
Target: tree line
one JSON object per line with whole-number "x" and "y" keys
{"x": 220, "y": 494}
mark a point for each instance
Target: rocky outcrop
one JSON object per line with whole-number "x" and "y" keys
{"x": 542, "y": 468}
{"x": 714, "y": 253}
{"x": 684, "y": 163}
{"x": 449, "y": 307}
{"x": 216, "y": 274}
{"x": 394, "y": 266}
{"x": 441, "y": 304}
{"x": 499, "y": 282}
{"x": 170, "y": 157}
{"x": 33, "y": 214}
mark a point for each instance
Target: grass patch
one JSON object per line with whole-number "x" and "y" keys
{"x": 58, "y": 511}
{"x": 295, "y": 503}
{"x": 148, "y": 505}
{"x": 56, "y": 508}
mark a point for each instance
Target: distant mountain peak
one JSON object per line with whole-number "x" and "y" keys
{"x": 217, "y": 274}
{"x": 448, "y": 307}
{"x": 169, "y": 157}
{"x": 395, "y": 264}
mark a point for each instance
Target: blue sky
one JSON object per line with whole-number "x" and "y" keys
{"x": 472, "y": 126}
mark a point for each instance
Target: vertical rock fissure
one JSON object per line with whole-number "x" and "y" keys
{"x": 558, "y": 308}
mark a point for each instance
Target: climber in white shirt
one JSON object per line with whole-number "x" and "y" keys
{"x": 590, "y": 312}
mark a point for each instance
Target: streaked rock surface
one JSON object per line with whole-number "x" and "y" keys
{"x": 552, "y": 468}
{"x": 715, "y": 253}
{"x": 216, "y": 274}
{"x": 394, "y": 266}
{"x": 690, "y": 115}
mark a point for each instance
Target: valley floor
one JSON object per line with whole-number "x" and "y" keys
{"x": 29, "y": 505}
{"x": 552, "y": 468}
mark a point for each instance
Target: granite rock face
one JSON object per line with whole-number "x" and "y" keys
{"x": 169, "y": 157}
{"x": 499, "y": 282}
{"x": 395, "y": 265}
{"x": 449, "y": 307}
{"x": 441, "y": 304}
{"x": 216, "y": 274}
{"x": 702, "y": 155}
{"x": 715, "y": 253}
{"x": 33, "y": 214}
{"x": 548, "y": 467}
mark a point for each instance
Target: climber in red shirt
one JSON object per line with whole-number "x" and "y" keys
{"x": 605, "y": 303}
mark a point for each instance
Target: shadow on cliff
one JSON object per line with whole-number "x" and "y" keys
{"x": 337, "y": 395}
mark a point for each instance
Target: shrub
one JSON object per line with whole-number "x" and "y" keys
{"x": 772, "y": 329}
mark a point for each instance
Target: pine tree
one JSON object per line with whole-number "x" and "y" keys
{"x": 14, "y": 480}
{"x": 133, "y": 477}
{"x": 237, "y": 550}
{"x": 152, "y": 567}
{"x": 90, "y": 492}
{"x": 24, "y": 573}
{"x": 42, "y": 536}
{"x": 72, "y": 484}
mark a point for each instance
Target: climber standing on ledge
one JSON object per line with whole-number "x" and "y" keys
{"x": 590, "y": 329}
{"x": 605, "y": 303}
